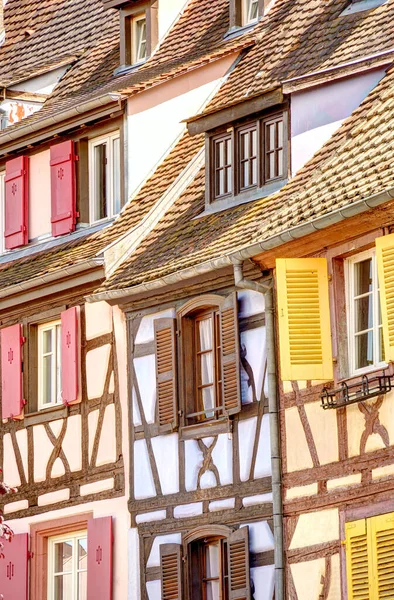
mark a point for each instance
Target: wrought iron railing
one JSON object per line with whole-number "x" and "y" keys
{"x": 350, "y": 393}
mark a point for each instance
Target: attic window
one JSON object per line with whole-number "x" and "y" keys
{"x": 246, "y": 12}
{"x": 139, "y": 32}
{"x": 356, "y": 6}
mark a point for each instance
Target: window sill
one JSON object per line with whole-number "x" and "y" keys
{"x": 46, "y": 414}
{"x": 124, "y": 69}
{"x": 244, "y": 198}
{"x": 239, "y": 30}
{"x": 357, "y": 377}
{"x": 206, "y": 429}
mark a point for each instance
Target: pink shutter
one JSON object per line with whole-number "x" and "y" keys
{"x": 100, "y": 542}
{"x": 63, "y": 188}
{"x": 70, "y": 355}
{"x": 11, "y": 372}
{"x": 13, "y": 568}
{"x": 16, "y": 202}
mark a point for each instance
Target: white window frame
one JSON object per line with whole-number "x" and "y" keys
{"x": 56, "y": 361}
{"x": 135, "y": 42}
{"x": 349, "y": 281}
{"x": 2, "y": 211}
{"x": 246, "y": 10}
{"x": 93, "y": 143}
{"x": 74, "y": 537}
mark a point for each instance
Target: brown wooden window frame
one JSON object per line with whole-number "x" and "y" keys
{"x": 217, "y": 167}
{"x": 128, "y": 15}
{"x": 227, "y": 373}
{"x": 198, "y": 577}
{"x": 237, "y": 16}
{"x": 238, "y": 189}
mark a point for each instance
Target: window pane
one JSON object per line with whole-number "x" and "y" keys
{"x": 271, "y": 167}
{"x": 212, "y": 560}
{"x": 63, "y": 587}
{"x": 213, "y": 590}
{"x": 47, "y": 376}
{"x": 47, "y": 341}
{"x": 364, "y": 350}
{"x": 82, "y": 586}
{"x": 116, "y": 175}
{"x": 244, "y": 145}
{"x": 206, "y": 368}
{"x": 363, "y": 277}
{"x": 82, "y": 553}
{"x": 280, "y": 163}
{"x": 205, "y": 333}
{"x": 271, "y": 136}
{"x": 363, "y": 314}
{"x": 100, "y": 184}
{"x": 280, "y": 134}
{"x": 253, "y": 9}
{"x": 58, "y": 363}
{"x": 63, "y": 556}
{"x": 141, "y": 39}
{"x": 208, "y": 401}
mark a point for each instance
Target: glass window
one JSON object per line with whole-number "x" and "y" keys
{"x": 139, "y": 35}
{"x": 247, "y": 157}
{"x": 251, "y": 11}
{"x": 67, "y": 567}
{"x": 49, "y": 364}
{"x": 209, "y": 570}
{"x": 273, "y": 140}
{"x": 365, "y": 322}
{"x": 222, "y": 166}
{"x": 208, "y": 383}
{"x": 105, "y": 196}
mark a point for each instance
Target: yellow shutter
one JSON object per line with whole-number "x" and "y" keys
{"x": 382, "y": 543}
{"x": 358, "y": 564}
{"x": 304, "y": 319}
{"x": 385, "y": 260}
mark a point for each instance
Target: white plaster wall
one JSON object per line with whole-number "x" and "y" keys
{"x": 98, "y": 319}
{"x": 246, "y": 435}
{"x": 107, "y": 447}
{"x": 193, "y": 461}
{"x": 96, "y": 370}
{"x": 168, "y": 12}
{"x": 154, "y": 556}
{"x": 263, "y": 581}
{"x": 10, "y": 469}
{"x": 222, "y": 456}
{"x": 43, "y": 84}
{"x": 318, "y": 112}
{"x": 250, "y": 303}
{"x": 143, "y": 479}
{"x": 146, "y": 331}
{"x": 145, "y": 372}
{"x": 254, "y": 342}
{"x": 155, "y": 125}
{"x": 263, "y": 457}
{"x": 165, "y": 450}
{"x": 39, "y": 195}
{"x": 316, "y": 528}
{"x": 261, "y": 538}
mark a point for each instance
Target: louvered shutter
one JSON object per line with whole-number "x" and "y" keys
{"x": 358, "y": 563}
{"x": 229, "y": 336}
{"x": 385, "y": 261}
{"x": 11, "y": 372}
{"x": 14, "y": 568}
{"x": 304, "y": 319}
{"x": 171, "y": 571}
{"x": 16, "y": 202}
{"x": 382, "y": 550}
{"x": 166, "y": 384}
{"x": 70, "y": 355}
{"x": 100, "y": 543}
{"x": 63, "y": 188}
{"x": 238, "y": 565}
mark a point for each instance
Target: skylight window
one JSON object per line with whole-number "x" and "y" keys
{"x": 360, "y": 5}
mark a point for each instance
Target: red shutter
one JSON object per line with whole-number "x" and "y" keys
{"x": 16, "y": 202}
{"x": 100, "y": 541}
{"x": 63, "y": 188}
{"x": 11, "y": 372}
{"x": 70, "y": 355}
{"x": 13, "y": 568}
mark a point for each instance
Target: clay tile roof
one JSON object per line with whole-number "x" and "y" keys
{"x": 354, "y": 164}
{"x": 74, "y": 251}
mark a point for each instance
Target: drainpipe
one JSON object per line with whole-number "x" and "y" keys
{"x": 262, "y": 288}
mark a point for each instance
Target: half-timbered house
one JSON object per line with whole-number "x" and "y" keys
{"x": 160, "y": 449}
{"x": 283, "y": 139}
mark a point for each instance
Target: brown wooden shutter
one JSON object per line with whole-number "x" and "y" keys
{"x": 166, "y": 370}
{"x": 238, "y": 565}
{"x": 230, "y": 355}
{"x": 171, "y": 572}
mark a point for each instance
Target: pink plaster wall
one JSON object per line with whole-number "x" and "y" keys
{"x": 39, "y": 195}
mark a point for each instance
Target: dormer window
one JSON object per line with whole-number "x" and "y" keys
{"x": 246, "y": 12}
{"x": 139, "y": 39}
{"x": 248, "y": 158}
{"x": 251, "y": 11}
{"x": 138, "y": 30}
